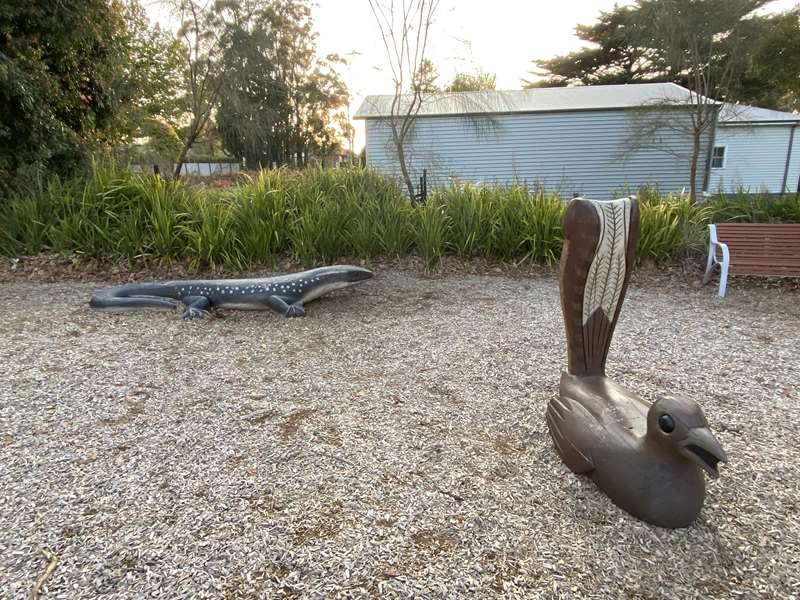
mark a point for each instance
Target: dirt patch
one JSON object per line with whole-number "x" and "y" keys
{"x": 134, "y": 409}
{"x": 508, "y": 444}
{"x": 292, "y": 423}
{"x": 433, "y": 541}
{"x": 331, "y": 436}
{"x": 325, "y": 524}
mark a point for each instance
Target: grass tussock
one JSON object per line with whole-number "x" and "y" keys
{"x": 321, "y": 216}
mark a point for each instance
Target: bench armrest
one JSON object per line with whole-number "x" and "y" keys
{"x": 714, "y": 244}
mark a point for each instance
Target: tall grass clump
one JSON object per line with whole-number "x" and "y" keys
{"x": 394, "y": 225}
{"x": 323, "y": 216}
{"x": 261, "y": 219}
{"x": 468, "y": 211}
{"x": 670, "y": 227}
{"x": 746, "y": 208}
{"x": 318, "y": 229}
{"x": 162, "y": 209}
{"x": 507, "y": 240}
{"x": 211, "y": 238}
{"x": 544, "y": 236}
{"x": 431, "y": 230}
{"x": 23, "y": 226}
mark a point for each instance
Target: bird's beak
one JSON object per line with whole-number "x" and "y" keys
{"x": 701, "y": 447}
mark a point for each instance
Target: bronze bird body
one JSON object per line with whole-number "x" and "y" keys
{"x": 648, "y": 458}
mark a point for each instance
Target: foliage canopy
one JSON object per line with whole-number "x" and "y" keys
{"x": 654, "y": 40}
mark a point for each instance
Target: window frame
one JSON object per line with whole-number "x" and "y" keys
{"x": 724, "y": 156}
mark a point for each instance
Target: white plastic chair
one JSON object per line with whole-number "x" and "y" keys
{"x": 713, "y": 246}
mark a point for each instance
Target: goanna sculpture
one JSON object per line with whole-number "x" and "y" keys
{"x": 284, "y": 294}
{"x": 648, "y": 458}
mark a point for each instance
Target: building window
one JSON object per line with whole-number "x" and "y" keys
{"x": 718, "y": 157}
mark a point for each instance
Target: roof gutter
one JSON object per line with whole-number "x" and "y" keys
{"x": 788, "y": 159}
{"x": 508, "y": 112}
{"x": 757, "y": 123}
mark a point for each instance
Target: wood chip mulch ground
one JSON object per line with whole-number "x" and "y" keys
{"x": 390, "y": 444}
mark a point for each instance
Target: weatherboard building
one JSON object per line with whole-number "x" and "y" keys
{"x": 598, "y": 141}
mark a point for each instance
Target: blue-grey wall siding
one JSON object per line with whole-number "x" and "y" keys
{"x": 755, "y": 158}
{"x": 587, "y": 152}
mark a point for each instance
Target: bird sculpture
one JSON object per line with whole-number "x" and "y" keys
{"x": 648, "y": 458}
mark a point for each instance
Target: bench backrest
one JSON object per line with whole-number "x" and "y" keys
{"x": 775, "y": 240}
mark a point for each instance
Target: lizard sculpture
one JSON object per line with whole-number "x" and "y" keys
{"x": 285, "y": 294}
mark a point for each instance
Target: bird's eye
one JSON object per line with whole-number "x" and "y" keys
{"x": 667, "y": 423}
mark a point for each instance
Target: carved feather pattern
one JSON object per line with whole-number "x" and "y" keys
{"x": 607, "y": 271}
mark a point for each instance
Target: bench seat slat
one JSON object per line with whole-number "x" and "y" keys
{"x": 769, "y": 249}
{"x": 740, "y": 254}
{"x": 756, "y": 226}
{"x": 760, "y": 240}
{"x": 766, "y": 263}
{"x": 770, "y": 245}
{"x": 765, "y": 272}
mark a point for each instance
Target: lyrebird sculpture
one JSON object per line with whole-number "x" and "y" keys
{"x": 648, "y": 458}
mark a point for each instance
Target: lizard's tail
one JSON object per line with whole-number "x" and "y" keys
{"x": 600, "y": 242}
{"x": 131, "y": 297}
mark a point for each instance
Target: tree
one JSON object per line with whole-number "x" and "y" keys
{"x": 322, "y": 96}
{"x": 699, "y": 43}
{"x": 772, "y": 63}
{"x": 477, "y": 82}
{"x": 162, "y": 140}
{"x": 280, "y": 101}
{"x": 254, "y": 103}
{"x": 150, "y": 83}
{"x": 404, "y": 32}
{"x": 618, "y": 54}
{"x": 347, "y": 132}
{"x": 202, "y": 71}
{"x": 624, "y": 48}
{"x": 424, "y": 80}
{"x": 148, "y": 90}
{"x": 58, "y": 66}
{"x": 312, "y": 84}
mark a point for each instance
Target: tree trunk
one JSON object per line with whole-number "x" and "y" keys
{"x": 180, "y": 161}
{"x": 693, "y": 169}
{"x": 401, "y": 157}
{"x": 184, "y": 151}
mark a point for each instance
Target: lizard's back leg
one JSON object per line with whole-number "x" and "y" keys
{"x": 197, "y": 307}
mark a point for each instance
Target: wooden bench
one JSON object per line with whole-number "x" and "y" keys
{"x": 767, "y": 249}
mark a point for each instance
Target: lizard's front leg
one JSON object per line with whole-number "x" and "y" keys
{"x": 279, "y": 305}
{"x": 197, "y": 307}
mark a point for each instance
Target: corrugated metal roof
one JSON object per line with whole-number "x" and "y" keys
{"x": 595, "y": 97}
{"x": 740, "y": 113}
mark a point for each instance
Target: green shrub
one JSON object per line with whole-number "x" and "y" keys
{"x": 211, "y": 238}
{"x": 544, "y": 238}
{"x": 670, "y": 227}
{"x": 756, "y": 209}
{"x": 468, "y": 211}
{"x": 431, "y": 230}
{"x": 261, "y": 220}
{"x": 23, "y": 226}
{"x": 329, "y": 215}
{"x": 509, "y": 233}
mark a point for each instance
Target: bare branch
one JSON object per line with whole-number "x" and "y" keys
{"x": 404, "y": 31}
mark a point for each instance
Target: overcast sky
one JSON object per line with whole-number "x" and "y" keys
{"x": 497, "y": 36}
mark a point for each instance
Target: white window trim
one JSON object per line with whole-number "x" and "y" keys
{"x": 724, "y": 155}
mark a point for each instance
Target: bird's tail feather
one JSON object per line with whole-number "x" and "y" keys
{"x": 599, "y": 247}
